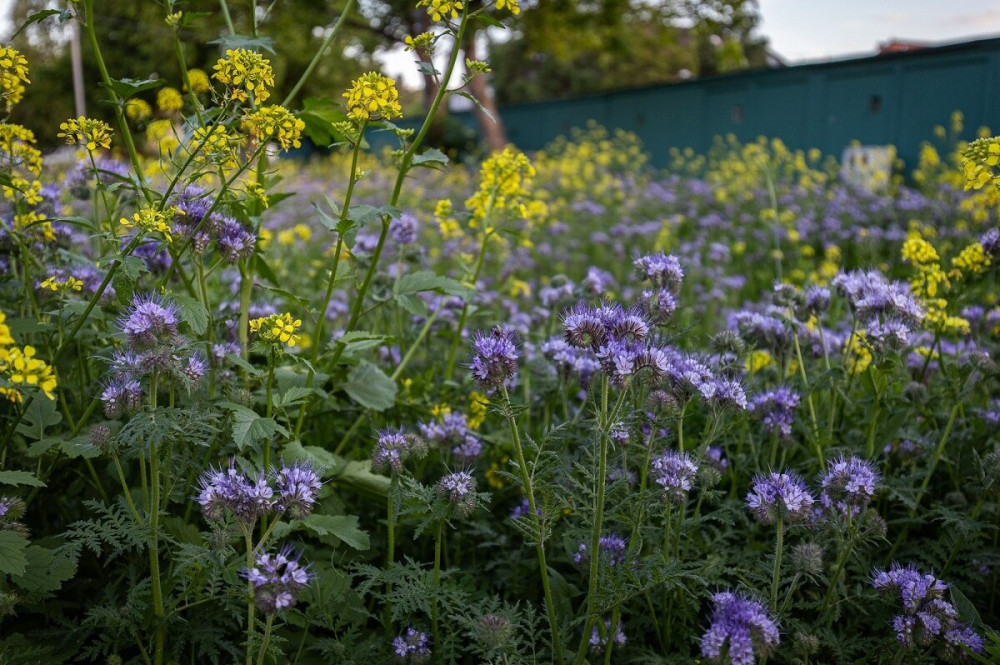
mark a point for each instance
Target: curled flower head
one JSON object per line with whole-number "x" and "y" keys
{"x": 776, "y": 408}
{"x": 392, "y": 447}
{"x": 121, "y": 395}
{"x": 246, "y": 75}
{"x": 277, "y": 579}
{"x": 150, "y": 321}
{"x": 297, "y": 485}
{"x": 460, "y": 489}
{"x": 780, "y": 496}
{"x": 13, "y": 76}
{"x": 741, "y": 631}
{"x": 229, "y": 490}
{"x": 87, "y": 132}
{"x": 277, "y": 329}
{"x": 275, "y": 123}
{"x": 675, "y": 472}
{"x": 494, "y": 358}
{"x": 663, "y": 270}
{"x": 371, "y": 97}
{"x": 848, "y": 485}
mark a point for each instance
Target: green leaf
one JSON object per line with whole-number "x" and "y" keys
{"x": 126, "y": 87}
{"x": 370, "y": 387}
{"x": 479, "y": 106}
{"x": 40, "y": 415}
{"x": 320, "y": 114}
{"x": 245, "y": 41}
{"x": 966, "y": 610}
{"x": 244, "y": 365}
{"x": 193, "y": 312}
{"x": 12, "y": 553}
{"x": 64, "y": 15}
{"x": 432, "y": 158}
{"x": 426, "y": 68}
{"x": 343, "y": 528}
{"x": 46, "y": 570}
{"x": 294, "y": 395}
{"x": 357, "y": 341}
{"x": 20, "y": 478}
{"x": 133, "y": 267}
{"x": 357, "y": 475}
{"x": 249, "y": 427}
{"x": 322, "y": 460}
{"x": 425, "y": 280}
{"x": 75, "y": 221}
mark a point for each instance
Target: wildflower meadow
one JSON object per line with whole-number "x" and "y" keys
{"x": 393, "y": 406}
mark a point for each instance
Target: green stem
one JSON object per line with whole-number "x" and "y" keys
{"x": 319, "y": 54}
{"x": 436, "y": 635}
{"x": 251, "y": 605}
{"x": 777, "y": 565}
{"x": 550, "y": 608}
{"x": 262, "y": 654}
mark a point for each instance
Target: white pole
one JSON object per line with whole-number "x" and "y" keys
{"x": 77, "y": 59}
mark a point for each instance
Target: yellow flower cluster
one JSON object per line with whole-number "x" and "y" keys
{"x": 138, "y": 110}
{"x": 978, "y": 161}
{"x": 373, "y": 96}
{"x": 447, "y": 223}
{"x": 13, "y": 76}
{"x": 161, "y": 134}
{"x": 19, "y": 367}
{"x": 505, "y": 181}
{"x": 216, "y": 146}
{"x": 199, "y": 81}
{"x": 422, "y": 42}
{"x": 169, "y": 100}
{"x": 757, "y": 360}
{"x": 56, "y": 283}
{"x": 438, "y": 9}
{"x": 918, "y": 251}
{"x": 275, "y": 123}
{"x": 277, "y": 328}
{"x": 149, "y": 220}
{"x": 87, "y": 132}
{"x": 857, "y": 354}
{"x": 24, "y": 161}
{"x": 478, "y": 408}
{"x": 246, "y": 75}
{"x": 300, "y": 232}
{"x": 972, "y": 260}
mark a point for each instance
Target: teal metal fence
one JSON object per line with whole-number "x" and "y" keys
{"x": 890, "y": 99}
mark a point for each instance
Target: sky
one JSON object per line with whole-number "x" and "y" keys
{"x": 809, "y": 30}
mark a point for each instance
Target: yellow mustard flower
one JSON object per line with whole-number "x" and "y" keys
{"x": 275, "y": 123}
{"x": 439, "y": 9}
{"x": 373, "y": 96}
{"x": 87, "y": 132}
{"x": 21, "y": 367}
{"x": 246, "y": 75}
{"x": 149, "y": 220}
{"x": 169, "y": 100}
{"x": 277, "y": 328}
{"x": 199, "y": 81}
{"x": 138, "y": 110}
{"x": 13, "y": 76}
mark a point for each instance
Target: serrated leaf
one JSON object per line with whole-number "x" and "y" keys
{"x": 249, "y": 427}
{"x": 245, "y": 41}
{"x": 133, "y": 267}
{"x": 370, "y": 387}
{"x": 193, "y": 312}
{"x": 432, "y": 158}
{"x": 20, "y": 478}
{"x": 13, "y": 560}
{"x": 360, "y": 340}
{"x": 294, "y": 395}
{"x": 426, "y": 68}
{"x": 79, "y": 447}
{"x": 46, "y": 570}
{"x": 125, "y": 88}
{"x": 41, "y": 414}
{"x": 41, "y": 447}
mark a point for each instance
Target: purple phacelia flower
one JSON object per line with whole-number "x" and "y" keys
{"x": 714, "y": 455}
{"x": 413, "y": 646}
{"x": 599, "y": 642}
{"x": 663, "y": 270}
{"x": 780, "y": 496}
{"x": 740, "y": 632}
{"x": 220, "y": 490}
{"x": 277, "y": 579}
{"x": 729, "y": 392}
{"x": 613, "y": 549}
{"x": 235, "y": 241}
{"x": 404, "y": 229}
{"x": 583, "y": 327}
{"x": 121, "y": 395}
{"x": 460, "y": 490}
{"x": 777, "y": 409}
{"x": 675, "y": 472}
{"x": 848, "y": 485}
{"x": 392, "y": 447}
{"x": 297, "y": 485}
{"x": 494, "y": 359}
{"x": 469, "y": 450}
{"x": 523, "y": 509}
{"x": 150, "y": 321}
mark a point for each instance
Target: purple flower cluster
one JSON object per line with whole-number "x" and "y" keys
{"x": 494, "y": 359}
{"x": 888, "y": 310}
{"x": 453, "y": 430}
{"x": 741, "y": 630}
{"x": 599, "y": 641}
{"x": 664, "y": 271}
{"x": 675, "y": 472}
{"x": 777, "y": 409}
{"x": 233, "y": 240}
{"x": 221, "y": 491}
{"x": 413, "y": 646}
{"x": 780, "y": 496}
{"x": 927, "y": 619}
{"x": 277, "y": 579}
{"x": 460, "y": 490}
{"x": 150, "y": 322}
{"x": 393, "y": 447}
{"x": 613, "y": 548}
{"x": 848, "y": 485}
{"x": 764, "y": 330}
